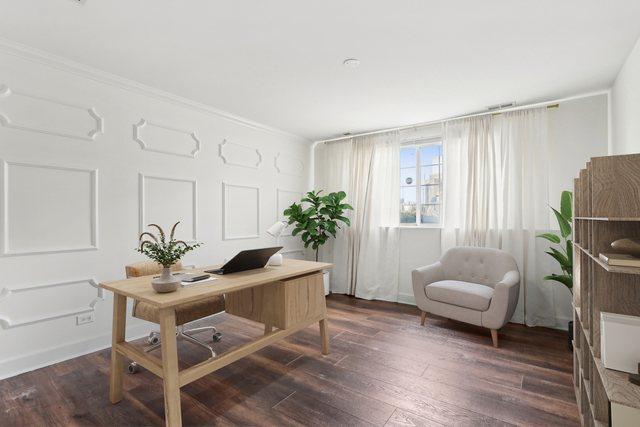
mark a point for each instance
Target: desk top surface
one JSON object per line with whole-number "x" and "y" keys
{"x": 139, "y": 288}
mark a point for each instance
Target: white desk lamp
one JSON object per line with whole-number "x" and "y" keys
{"x": 276, "y": 230}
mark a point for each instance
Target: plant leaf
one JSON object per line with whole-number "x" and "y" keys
{"x": 560, "y": 257}
{"x": 562, "y": 278}
{"x": 566, "y": 200}
{"x": 553, "y": 238}
{"x": 565, "y": 226}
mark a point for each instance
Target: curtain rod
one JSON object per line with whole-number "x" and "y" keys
{"x": 549, "y": 104}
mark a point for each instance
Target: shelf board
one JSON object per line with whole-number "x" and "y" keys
{"x": 585, "y": 330}
{"x": 618, "y": 387}
{"x": 609, "y": 268}
{"x": 596, "y": 421}
{"x": 596, "y": 218}
{"x": 587, "y": 386}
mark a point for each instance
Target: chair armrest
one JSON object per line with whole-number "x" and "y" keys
{"x": 511, "y": 278}
{"x": 428, "y": 274}
{"x": 503, "y": 302}
{"x": 420, "y": 277}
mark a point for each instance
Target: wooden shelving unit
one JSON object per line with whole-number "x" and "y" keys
{"x": 606, "y": 208}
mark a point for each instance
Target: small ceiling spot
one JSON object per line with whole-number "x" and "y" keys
{"x": 351, "y": 63}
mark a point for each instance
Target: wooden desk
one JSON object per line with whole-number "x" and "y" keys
{"x": 286, "y": 299}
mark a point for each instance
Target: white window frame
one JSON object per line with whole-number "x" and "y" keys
{"x": 417, "y": 144}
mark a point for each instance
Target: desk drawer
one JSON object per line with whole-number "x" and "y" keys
{"x": 281, "y": 304}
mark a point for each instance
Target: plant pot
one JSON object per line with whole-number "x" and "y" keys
{"x": 167, "y": 282}
{"x": 570, "y": 334}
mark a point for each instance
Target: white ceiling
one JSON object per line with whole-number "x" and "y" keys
{"x": 279, "y": 62}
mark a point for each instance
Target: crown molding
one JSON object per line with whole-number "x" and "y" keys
{"x": 58, "y": 62}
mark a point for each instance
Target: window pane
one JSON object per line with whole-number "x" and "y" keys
{"x": 430, "y": 154}
{"x": 430, "y": 194}
{"x": 408, "y": 205}
{"x": 407, "y": 157}
{"x": 430, "y": 214}
{"x": 408, "y": 176}
{"x": 430, "y": 174}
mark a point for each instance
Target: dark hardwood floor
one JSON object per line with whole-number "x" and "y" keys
{"x": 384, "y": 369}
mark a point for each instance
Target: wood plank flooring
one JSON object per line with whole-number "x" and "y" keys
{"x": 384, "y": 369}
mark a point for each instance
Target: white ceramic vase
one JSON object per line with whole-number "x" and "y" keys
{"x": 167, "y": 282}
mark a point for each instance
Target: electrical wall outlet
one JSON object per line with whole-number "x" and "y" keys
{"x": 84, "y": 318}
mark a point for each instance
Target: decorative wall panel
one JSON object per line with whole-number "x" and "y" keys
{"x": 167, "y": 200}
{"x": 24, "y": 111}
{"x": 239, "y": 155}
{"x": 289, "y": 165}
{"x": 241, "y": 211}
{"x": 39, "y": 303}
{"x": 48, "y": 208}
{"x": 166, "y": 139}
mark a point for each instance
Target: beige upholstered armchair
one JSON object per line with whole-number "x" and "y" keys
{"x": 473, "y": 285}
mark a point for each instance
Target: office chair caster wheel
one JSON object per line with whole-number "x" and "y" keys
{"x": 217, "y": 337}
{"x": 133, "y": 368}
{"x": 153, "y": 339}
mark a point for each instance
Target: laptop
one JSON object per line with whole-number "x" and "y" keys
{"x": 247, "y": 260}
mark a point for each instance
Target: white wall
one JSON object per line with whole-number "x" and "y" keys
{"x": 419, "y": 246}
{"x": 80, "y": 180}
{"x": 577, "y": 131}
{"x": 626, "y": 106}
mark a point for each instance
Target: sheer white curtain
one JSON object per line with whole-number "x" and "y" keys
{"x": 496, "y": 195}
{"x": 365, "y": 255}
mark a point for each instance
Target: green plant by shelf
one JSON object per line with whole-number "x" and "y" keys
{"x": 563, "y": 252}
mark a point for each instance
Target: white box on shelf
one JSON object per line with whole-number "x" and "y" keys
{"x": 620, "y": 341}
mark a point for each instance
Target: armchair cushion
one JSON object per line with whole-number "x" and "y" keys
{"x": 462, "y": 294}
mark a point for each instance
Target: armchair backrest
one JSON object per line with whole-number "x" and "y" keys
{"x": 477, "y": 265}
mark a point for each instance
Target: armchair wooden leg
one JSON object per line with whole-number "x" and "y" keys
{"x": 423, "y": 318}
{"x": 494, "y": 337}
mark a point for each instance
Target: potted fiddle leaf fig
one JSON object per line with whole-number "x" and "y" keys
{"x": 164, "y": 252}
{"x": 320, "y": 219}
{"x": 562, "y": 251}
{"x": 317, "y": 218}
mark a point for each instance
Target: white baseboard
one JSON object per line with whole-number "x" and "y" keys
{"x": 49, "y": 356}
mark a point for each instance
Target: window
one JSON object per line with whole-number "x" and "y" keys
{"x": 421, "y": 183}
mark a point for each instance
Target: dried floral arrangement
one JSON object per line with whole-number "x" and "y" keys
{"x": 162, "y": 251}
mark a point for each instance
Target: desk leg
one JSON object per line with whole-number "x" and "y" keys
{"x": 172, "y": 411}
{"x": 267, "y": 328}
{"x": 324, "y": 336}
{"x": 117, "y": 336}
